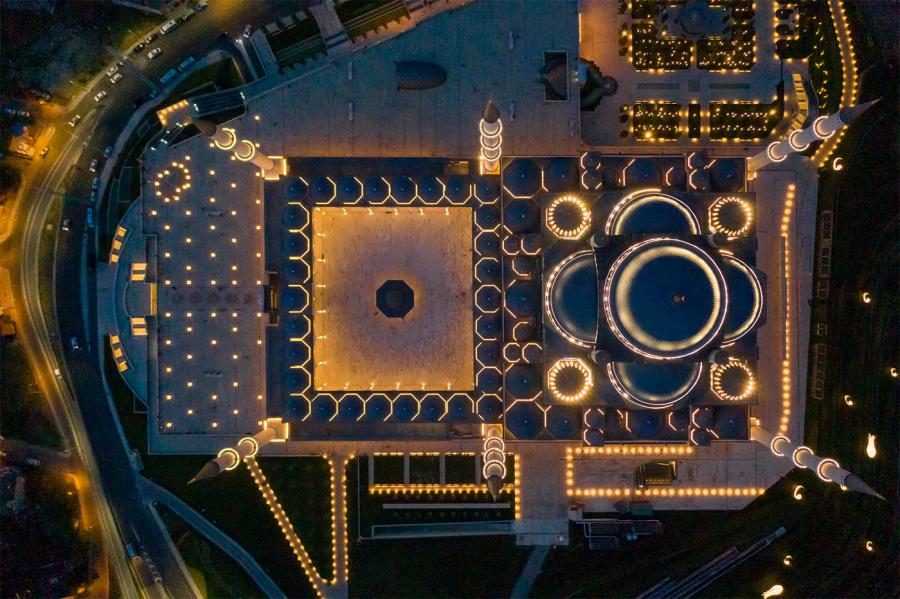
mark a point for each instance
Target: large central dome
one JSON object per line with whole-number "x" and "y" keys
{"x": 665, "y": 298}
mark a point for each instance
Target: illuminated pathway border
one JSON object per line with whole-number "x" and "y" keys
{"x": 849, "y": 89}
{"x": 786, "y": 384}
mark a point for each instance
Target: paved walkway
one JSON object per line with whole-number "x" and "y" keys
{"x": 530, "y": 572}
{"x": 153, "y": 492}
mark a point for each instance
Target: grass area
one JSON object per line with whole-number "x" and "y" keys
{"x": 70, "y": 44}
{"x": 25, "y": 412}
{"x": 220, "y": 499}
{"x": 43, "y": 541}
{"x": 221, "y": 576}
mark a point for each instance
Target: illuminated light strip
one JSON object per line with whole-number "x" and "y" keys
{"x": 433, "y": 489}
{"x": 786, "y": 386}
{"x": 627, "y": 450}
{"x": 714, "y": 325}
{"x": 548, "y": 305}
{"x": 715, "y": 380}
{"x": 715, "y": 221}
{"x": 517, "y": 486}
{"x": 319, "y": 584}
{"x": 665, "y": 492}
{"x": 619, "y": 386}
{"x": 554, "y": 226}
{"x": 849, "y": 92}
{"x": 570, "y": 364}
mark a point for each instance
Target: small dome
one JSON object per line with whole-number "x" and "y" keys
{"x": 292, "y": 216}
{"x": 730, "y": 422}
{"x": 564, "y": 422}
{"x": 646, "y": 424}
{"x": 522, "y": 381}
{"x": 459, "y": 409}
{"x": 430, "y": 189}
{"x": 294, "y": 271}
{"x": 323, "y": 408}
{"x": 490, "y": 408}
{"x": 643, "y": 171}
{"x": 350, "y": 409}
{"x": 405, "y": 408}
{"x": 561, "y": 174}
{"x": 294, "y": 352}
{"x": 458, "y": 189}
{"x": 322, "y": 190}
{"x": 525, "y": 420}
{"x": 702, "y": 417}
{"x": 377, "y": 408}
{"x": 523, "y": 298}
{"x": 403, "y": 189}
{"x": 349, "y": 190}
{"x": 522, "y": 177}
{"x": 726, "y": 175}
{"x": 594, "y": 437}
{"x": 522, "y": 216}
{"x": 375, "y": 190}
{"x": 680, "y": 420}
{"x": 594, "y": 418}
{"x": 487, "y": 188}
{"x": 294, "y": 189}
{"x": 431, "y": 409}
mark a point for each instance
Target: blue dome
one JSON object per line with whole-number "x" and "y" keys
{"x": 573, "y": 297}
{"x": 522, "y": 216}
{"x": 522, "y": 381}
{"x": 594, "y": 437}
{"x": 348, "y": 190}
{"x": 745, "y": 299}
{"x": 487, "y": 188}
{"x": 592, "y": 179}
{"x": 323, "y": 408}
{"x": 405, "y": 408}
{"x": 488, "y": 352}
{"x": 653, "y": 213}
{"x": 522, "y": 177}
{"x": 655, "y": 385}
{"x": 292, "y": 244}
{"x": 702, "y": 417}
{"x": 646, "y": 424}
{"x": 525, "y": 420}
{"x": 487, "y": 271}
{"x": 564, "y": 422}
{"x": 292, "y": 216}
{"x": 295, "y": 380}
{"x": 487, "y": 217}
{"x": 458, "y": 189}
{"x": 294, "y": 352}
{"x": 490, "y": 408}
{"x": 666, "y": 298}
{"x": 680, "y": 420}
{"x": 350, "y": 409}
{"x": 488, "y": 326}
{"x": 291, "y": 299}
{"x": 430, "y": 189}
{"x": 459, "y": 408}
{"x": 489, "y": 380}
{"x": 294, "y": 271}
{"x": 375, "y": 190}
{"x": 725, "y": 174}
{"x": 730, "y": 422}
{"x": 294, "y": 189}
{"x": 403, "y": 189}
{"x": 594, "y": 418}
{"x": 643, "y": 171}
{"x": 561, "y": 174}
{"x": 431, "y": 409}
{"x": 377, "y": 408}
{"x": 293, "y": 326}
{"x": 322, "y": 190}
{"x": 297, "y": 408}
{"x": 523, "y": 298}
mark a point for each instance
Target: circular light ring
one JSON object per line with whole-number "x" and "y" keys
{"x": 795, "y": 456}
{"x": 233, "y": 454}
{"x": 774, "y": 443}
{"x": 554, "y": 226}
{"x": 817, "y": 128}
{"x": 548, "y": 305}
{"x": 570, "y": 364}
{"x": 820, "y": 469}
{"x": 621, "y": 318}
{"x": 715, "y": 380}
{"x": 663, "y": 402}
{"x": 250, "y": 149}
{"x": 715, "y": 211}
{"x": 494, "y": 443}
{"x": 792, "y": 140}
{"x": 490, "y": 153}
{"x": 633, "y": 201}
{"x": 492, "y": 129}
{"x": 750, "y": 322}
{"x": 770, "y": 152}
{"x": 254, "y": 446}
{"x": 232, "y": 138}
{"x": 487, "y": 466}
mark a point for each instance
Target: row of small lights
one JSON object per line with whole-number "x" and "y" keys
{"x": 786, "y": 386}
{"x": 666, "y": 492}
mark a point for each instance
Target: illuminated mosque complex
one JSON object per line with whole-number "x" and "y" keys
{"x": 447, "y": 267}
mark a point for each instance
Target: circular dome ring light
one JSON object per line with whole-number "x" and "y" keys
{"x": 548, "y": 305}
{"x": 756, "y": 314}
{"x": 569, "y": 364}
{"x": 557, "y": 228}
{"x": 715, "y": 220}
{"x": 620, "y": 388}
{"x": 718, "y": 371}
{"x": 641, "y": 197}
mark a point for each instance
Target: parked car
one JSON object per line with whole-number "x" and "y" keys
{"x": 137, "y": 49}
{"x": 73, "y": 342}
{"x": 74, "y": 120}
{"x": 168, "y": 26}
{"x": 248, "y": 29}
{"x": 100, "y": 95}
{"x": 187, "y": 16}
{"x": 107, "y": 152}
{"x": 186, "y": 63}
{"x": 116, "y": 78}
{"x": 33, "y": 462}
{"x": 154, "y": 53}
{"x": 93, "y": 167}
{"x": 111, "y": 70}
{"x": 151, "y": 38}
{"x": 202, "y": 5}
{"x": 45, "y": 151}
{"x": 95, "y": 184}
{"x": 9, "y": 110}
{"x": 65, "y": 224}
{"x": 168, "y": 76}
{"x": 90, "y": 218}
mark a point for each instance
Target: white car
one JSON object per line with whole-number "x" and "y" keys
{"x": 93, "y": 166}
{"x": 100, "y": 95}
{"x": 111, "y": 70}
{"x": 116, "y": 78}
{"x": 154, "y": 53}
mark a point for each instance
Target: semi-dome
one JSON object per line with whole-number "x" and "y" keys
{"x": 654, "y": 385}
{"x": 572, "y": 298}
{"x": 652, "y": 212}
{"x": 745, "y": 299}
{"x": 665, "y": 298}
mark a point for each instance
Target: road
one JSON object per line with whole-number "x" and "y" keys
{"x": 76, "y": 395}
